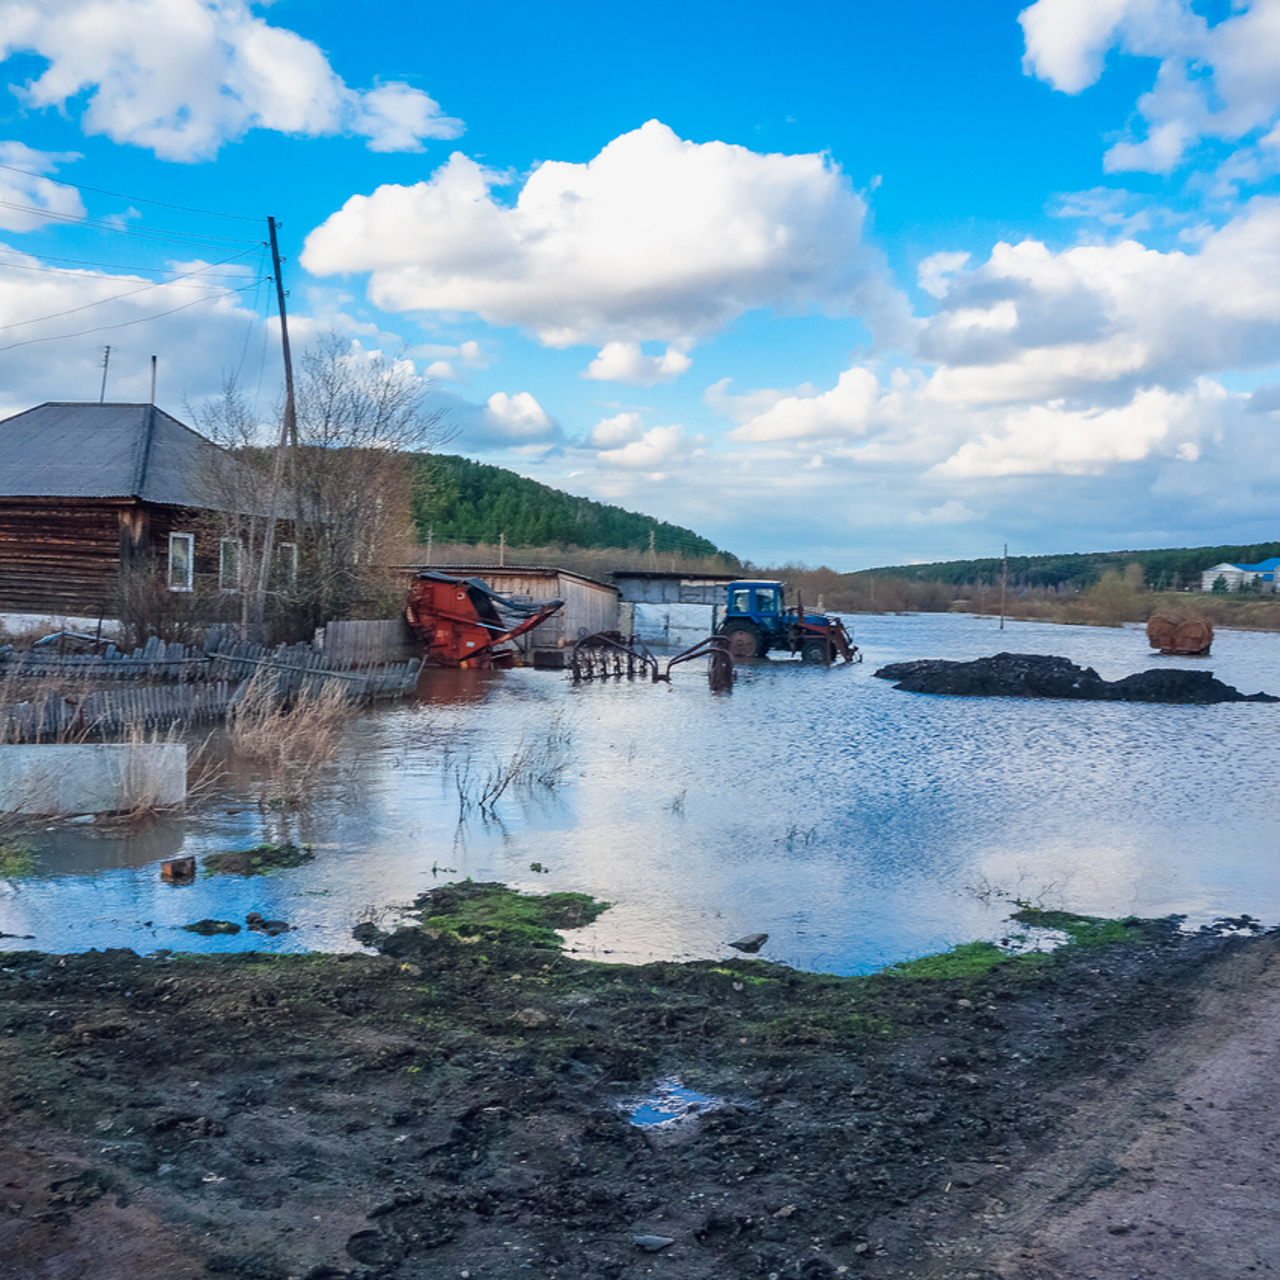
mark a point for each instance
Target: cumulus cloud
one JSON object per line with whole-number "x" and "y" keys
{"x": 1101, "y": 321}
{"x": 181, "y": 77}
{"x": 27, "y": 200}
{"x": 843, "y": 411}
{"x": 655, "y": 239}
{"x": 451, "y": 363}
{"x": 625, "y": 362}
{"x": 621, "y": 429}
{"x": 53, "y": 323}
{"x": 518, "y": 417}
{"x": 658, "y": 448}
{"x": 951, "y": 512}
{"x": 1053, "y": 438}
{"x": 1220, "y": 81}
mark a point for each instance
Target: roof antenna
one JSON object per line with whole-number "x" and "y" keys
{"x": 153, "y": 379}
{"x": 106, "y": 360}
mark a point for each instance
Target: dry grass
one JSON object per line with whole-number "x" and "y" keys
{"x": 538, "y": 762}
{"x": 291, "y": 738}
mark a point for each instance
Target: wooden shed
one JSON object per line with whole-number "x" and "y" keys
{"x": 88, "y": 490}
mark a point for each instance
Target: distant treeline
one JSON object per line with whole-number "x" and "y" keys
{"x": 1162, "y": 570}
{"x": 460, "y": 501}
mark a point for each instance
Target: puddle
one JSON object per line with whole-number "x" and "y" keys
{"x": 669, "y": 1104}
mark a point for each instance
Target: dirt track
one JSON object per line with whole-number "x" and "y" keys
{"x": 454, "y": 1110}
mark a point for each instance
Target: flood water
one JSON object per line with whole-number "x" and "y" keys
{"x": 855, "y": 824}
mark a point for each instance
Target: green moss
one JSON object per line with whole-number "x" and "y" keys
{"x": 1088, "y": 931}
{"x": 965, "y": 961}
{"x": 258, "y": 861}
{"x": 16, "y": 860}
{"x": 496, "y": 913}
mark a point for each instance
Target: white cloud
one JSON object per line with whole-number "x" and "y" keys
{"x": 1051, "y": 438}
{"x": 55, "y": 322}
{"x": 40, "y": 200}
{"x": 933, "y": 271}
{"x": 658, "y": 448}
{"x": 621, "y": 429}
{"x": 518, "y": 418}
{"x": 843, "y": 411}
{"x": 450, "y": 363}
{"x": 181, "y": 77}
{"x": 1220, "y": 81}
{"x": 625, "y": 362}
{"x": 950, "y": 512}
{"x": 1101, "y": 321}
{"x": 655, "y": 239}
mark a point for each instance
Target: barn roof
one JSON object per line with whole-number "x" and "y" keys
{"x": 69, "y": 450}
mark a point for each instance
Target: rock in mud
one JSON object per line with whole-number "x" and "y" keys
{"x": 1031, "y": 675}
{"x": 652, "y": 1244}
{"x": 750, "y": 943}
{"x": 270, "y": 927}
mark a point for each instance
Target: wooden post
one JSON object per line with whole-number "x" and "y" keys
{"x": 288, "y": 434}
{"x": 1004, "y": 582}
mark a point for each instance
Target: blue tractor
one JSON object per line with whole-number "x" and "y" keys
{"x": 757, "y": 621}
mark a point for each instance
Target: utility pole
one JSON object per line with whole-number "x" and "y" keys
{"x": 502, "y": 551}
{"x": 288, "y": 435}
{"x": 153, "y": 379}
{"x": 1004, "y": 583}
{"x": 106, "y": 360}
{"x": 653, "y": 555}
{"x": 431, "y": 534}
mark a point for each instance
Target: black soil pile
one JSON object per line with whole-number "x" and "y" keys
{"x": 459, "y": 1105}
{"x": 1032, "y": 675}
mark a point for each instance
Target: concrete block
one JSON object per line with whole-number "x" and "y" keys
{"x": 59, "y": 779}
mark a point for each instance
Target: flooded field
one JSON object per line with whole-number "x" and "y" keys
{"x": 854, "y": 824}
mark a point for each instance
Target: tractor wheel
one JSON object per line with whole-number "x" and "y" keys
{"x": 814, "y": 651}
{"x": 744, "y": 642}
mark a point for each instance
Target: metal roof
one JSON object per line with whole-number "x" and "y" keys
{"x": 68, "y": 450}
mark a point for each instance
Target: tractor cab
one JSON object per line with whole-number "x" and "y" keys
{"x": 760, "y": 601}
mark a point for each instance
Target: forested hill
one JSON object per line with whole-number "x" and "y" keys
{"x": 465, "y": 501}
{"x": 1162, "y": 569}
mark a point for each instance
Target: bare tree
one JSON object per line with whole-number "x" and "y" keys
{"x": 359, "y": 415}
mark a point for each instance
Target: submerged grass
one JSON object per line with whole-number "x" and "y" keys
{"x": 16, "y": 861}
{"x": 494, "y": 912}
{"x": 258, "y": 861}
{"x": 1085, "y": 931}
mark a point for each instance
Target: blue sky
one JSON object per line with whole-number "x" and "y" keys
{"x": 860, "y": 284}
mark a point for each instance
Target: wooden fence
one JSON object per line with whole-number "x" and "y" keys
{"x": 184, "y": 684}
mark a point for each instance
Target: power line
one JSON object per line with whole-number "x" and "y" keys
{"x": 154, "y": 284}
{"x": 99, "y": 224}
{"x": 106, "y": 275}
{"x": 124, "y": 324}
{"x": 160, "y": 204}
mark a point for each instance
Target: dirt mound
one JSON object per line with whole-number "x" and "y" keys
{"x": 1032, "y": 675}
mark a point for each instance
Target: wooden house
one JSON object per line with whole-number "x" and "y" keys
{"x": 88, "y": 491}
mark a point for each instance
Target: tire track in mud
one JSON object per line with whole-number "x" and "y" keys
{"x": 1168, "y": 1171}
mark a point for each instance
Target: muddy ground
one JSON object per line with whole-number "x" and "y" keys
{"x": 457, "y": 1108}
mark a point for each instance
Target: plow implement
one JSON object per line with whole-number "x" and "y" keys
{"x": 606, "y": 655}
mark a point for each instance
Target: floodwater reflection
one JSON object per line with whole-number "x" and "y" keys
{"x": 855, "y": 824}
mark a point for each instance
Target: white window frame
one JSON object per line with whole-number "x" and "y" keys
{"x": 189, "y": 541}
{"x": 287, "y": 565}
{"x": 226, "y": 582}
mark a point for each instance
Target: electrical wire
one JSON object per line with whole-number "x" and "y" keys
{"x": 105, "y": 275}
{"x": 154, "y": 284}
{"x": 98, "y": 224}
{"x": 124, "y": 324}
{"x": 62, "y": 182}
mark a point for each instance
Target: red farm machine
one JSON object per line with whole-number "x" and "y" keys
{"x": 461, "y": 621}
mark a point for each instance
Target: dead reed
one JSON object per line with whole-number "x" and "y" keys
{"x": 290, "y": 736}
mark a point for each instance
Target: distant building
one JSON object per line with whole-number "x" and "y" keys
{"x": 672, "y": 609}
{"x": 1264, "y": 573}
